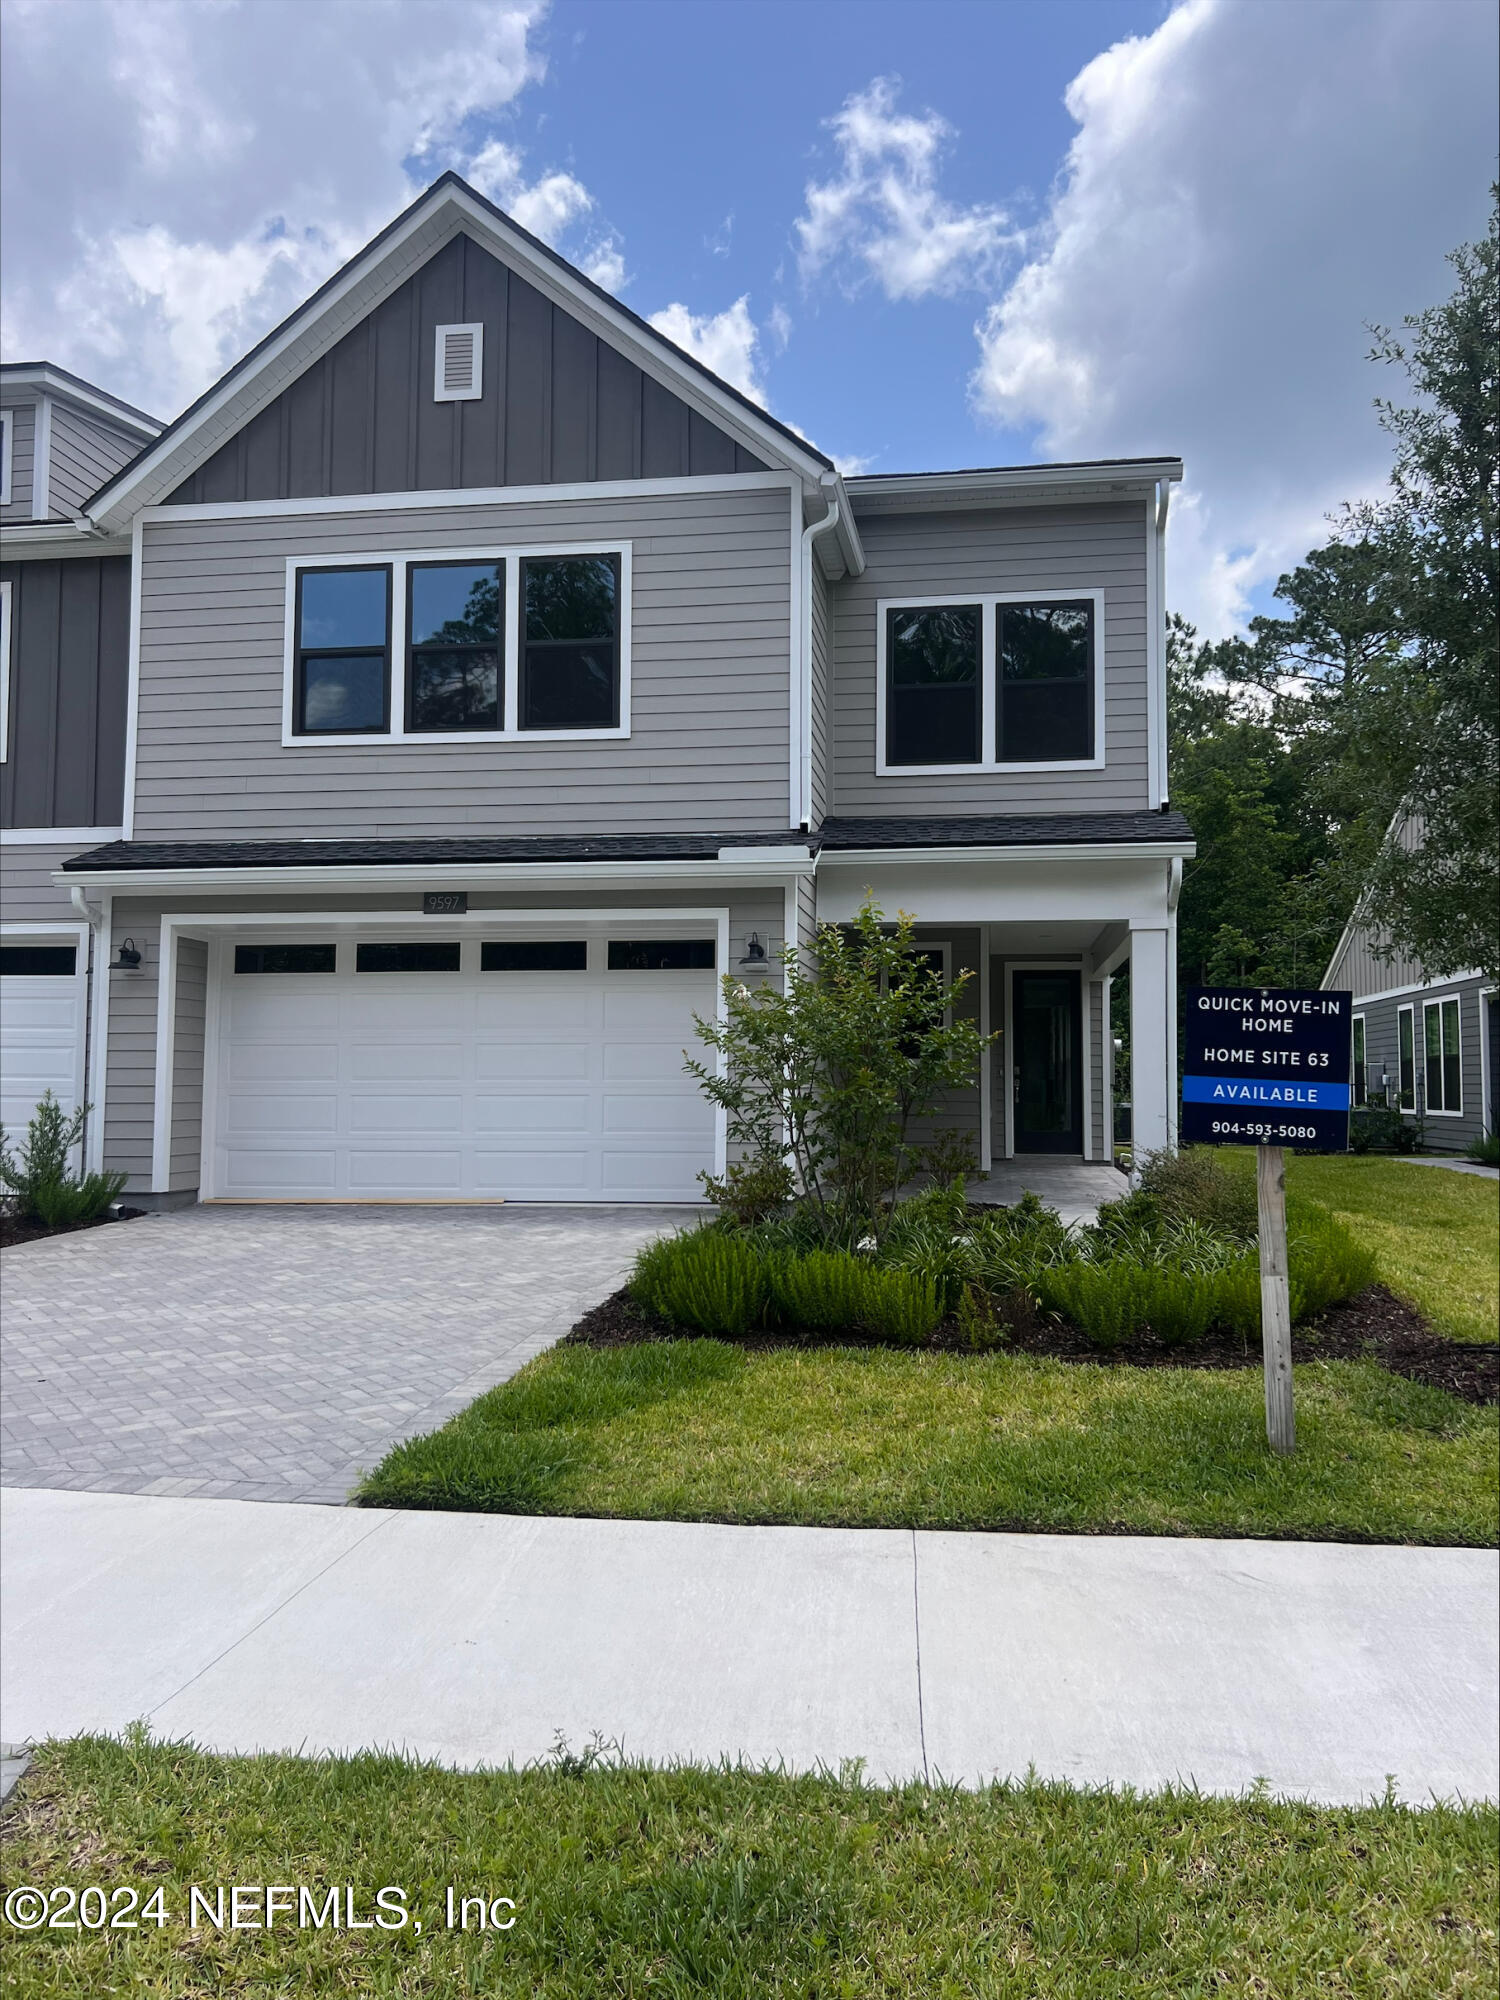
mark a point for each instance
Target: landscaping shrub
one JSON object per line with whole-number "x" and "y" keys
{"x": 37, "y": 1176}
{"x": 1327, "y": 1261}
{"x": 824, "y": 1288}
{"x": 709, "y": 1279}
{"x": 750, "y": 1190}
{"x": 1198, "y": 1185}
{"x": 1485, "y": 1151}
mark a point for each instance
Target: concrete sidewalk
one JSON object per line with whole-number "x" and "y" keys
{"x": 473, "y": 1638}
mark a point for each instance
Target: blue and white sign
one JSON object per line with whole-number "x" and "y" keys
{"x": 1266, "y": 1066}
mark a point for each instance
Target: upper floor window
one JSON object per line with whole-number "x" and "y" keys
{"x": 492, "y": 644}
{"x": 1001, "y": 682}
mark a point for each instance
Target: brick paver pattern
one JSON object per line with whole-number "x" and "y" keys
{"x": 276, "y": 1353}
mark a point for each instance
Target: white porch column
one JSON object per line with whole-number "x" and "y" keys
{"x": 1152, "y": 1021}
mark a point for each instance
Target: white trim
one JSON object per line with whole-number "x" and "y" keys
{"x": 41, "y": 460}
{"x": 1486, "y": 1082}
{"x": 988, "y": 765}
{"x": 49, "y": 932}
{"x": 1407, "y": 1110}
{"x": 1454, "y": 1000}
{"x": 56, "y": 541}
{"x": 473, "y": 390}
{"x": 990, "y": 486}
{"x": 5, "y": 639}
{"x": 1421, "y": 986}
{"x": 1155, "y": 663}
{"x": 467, "y": 496}
{"x": 7, "y": 433}
{"x": 133, "y": 686}
{"x": 1062, "y": 850}
{"x": 223, "y": 924}
{"x": 986, "y": 1056}
{"x": 398, "y": 562}
{"x": 799, "y": 614}
{"x": 166, "y": 1049}
{"x": 98, "y": 1063}
{"x": 802, "y": 635}
{"x": 1086, "y": 1048}
{"x": 1107, "y": 1059}
{"x": 436, "y": 875}
{"x": 59, "y": 836}
{"x": 95, "y": 400}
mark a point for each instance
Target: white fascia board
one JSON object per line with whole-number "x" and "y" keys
{"x": 915, "y": 492}
{"x": 59, "y": 836}
{"x": 1433, "y": 987}
{"x": 1011, "y": 857}
{"x": 438, "y": 875}
{"x": 97, "y": 402}
{"x": 321, "y": 324}
{"x": 46, "y": 541}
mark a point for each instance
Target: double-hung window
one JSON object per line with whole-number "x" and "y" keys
{"x": 1361, "y": 1067}
{"x": 496, "y": 644}
{"x": 1442, "y": 1062}
{"x": 1001, "y": 682}
{"x": 1406, "y": 1060}
{"x": 342, "y": 678}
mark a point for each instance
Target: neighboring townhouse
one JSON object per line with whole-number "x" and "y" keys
{"x": 497, "y": 678}
{"x": 1429, "y": 1048}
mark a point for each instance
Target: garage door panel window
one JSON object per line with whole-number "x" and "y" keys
{"x": 534, "y": 955}
{"x": 570, "y": 643}
{"x": 416, "y": 955}
{"x": 285, "y": 958}
{"x": 343, "y": 657}
{"x": 456, "y": 629}
{"x": 38, "y": 961}
{"x": 661, "y": 955}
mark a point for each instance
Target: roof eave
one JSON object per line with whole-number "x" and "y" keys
{"x": 917, "y": 492}
{"x": 48, "y": 380}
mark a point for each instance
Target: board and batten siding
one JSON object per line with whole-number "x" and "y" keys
{"x": 22, "y": 421}
{"x": 558, "y": 403}
{"x": 709, "y": 700}
{"x": 1052, "y": 550}
{"x": 130, "y": 1098}
{"x": 69, "y": 684}
{"x": 85, "y": 453}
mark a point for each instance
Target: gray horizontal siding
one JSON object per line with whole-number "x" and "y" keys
{"x": 131, "y": 1088}
{"x": 1382, "y": 1053}
{"x": 27, "y": 891}
{"x": 70, "y": 664}
{"x": 1041, "y": 549}
{"x": 559, "y": 404}
{"x": 85, "y": 452}
{"x": 710, "y": 646}
{"x": 22, "y": 457}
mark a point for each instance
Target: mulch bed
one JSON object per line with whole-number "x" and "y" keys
{"x": 13, "y": 1230}
{"x": 1374, "y": 1326}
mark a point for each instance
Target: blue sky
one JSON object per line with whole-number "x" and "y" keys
{"x": 928, "y": 232}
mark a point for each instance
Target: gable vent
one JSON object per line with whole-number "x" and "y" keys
{"x": 459, "y": 368}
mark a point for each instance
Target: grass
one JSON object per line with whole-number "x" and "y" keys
{"x": 744, "y": 1885}
{"x": 1434, "y": 1233}
{"x": 869, "y": 1437}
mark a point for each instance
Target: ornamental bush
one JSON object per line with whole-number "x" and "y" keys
{"x": 36, "y": 1175}
{"x": 708, "y": 1279}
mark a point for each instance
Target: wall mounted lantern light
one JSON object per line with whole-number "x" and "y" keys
{"x": 755, "y": 952}
{"x": 129, "y": 959}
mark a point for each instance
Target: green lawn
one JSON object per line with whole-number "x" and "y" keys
{"x": 745, "y": 1886}
{"x": 1435, "y": 1234}
{"x": 875, "y": 1437}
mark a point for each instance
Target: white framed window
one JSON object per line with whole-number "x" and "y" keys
{"x": 493, "y": 645}
{"x": 1406, "y": 1059}
{"x": 5, "y": 643}
{"x": 7, "y": 428}
{"x": 1361, "y": 1068}
{"x": 458, "y": 363}
{"x": 1442, "y": 1058}
{"x": 990, "y": 681}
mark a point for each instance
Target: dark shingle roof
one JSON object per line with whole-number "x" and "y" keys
{"x": 1013, "y": 830}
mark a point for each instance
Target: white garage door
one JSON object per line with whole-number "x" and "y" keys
{"x": 529, "y": 1070}
{"x": 42, "y": 1004}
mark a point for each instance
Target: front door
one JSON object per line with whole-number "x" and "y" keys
{"x": 1047, "y": 1033}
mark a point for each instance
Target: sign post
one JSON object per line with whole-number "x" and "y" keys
{"x": 1269, "y": 1067}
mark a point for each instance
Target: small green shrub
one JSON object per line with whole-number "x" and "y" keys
{"x": 1407, "y": 1135}
{"x": 56, "y": 1204}
{"x": 902, "y": 1306}
{"x": 708, "y": 1279}
{"x": 1326, "y": 1261}
{"x": 1374, "y": 1126}
{"x": 1485, "y": 1151}
{"x": 1198, "y": 1185}
{"x": 751, "y": 1190}
{"x": 822, "y": 1288}
{"x": 36, "y": 1175}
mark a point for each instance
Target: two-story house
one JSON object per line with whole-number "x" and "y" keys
{"x": 477, "y": 678}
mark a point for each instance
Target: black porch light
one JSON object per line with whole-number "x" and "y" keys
{"x": 130, "y": 958}
{"x": 755, "y": 951}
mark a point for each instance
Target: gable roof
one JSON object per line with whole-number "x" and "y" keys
{"x": 47, "y": 379}
{"x": 447, "y": 208}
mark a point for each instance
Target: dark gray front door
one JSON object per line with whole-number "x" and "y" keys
{"x": 1047, "y": 1030}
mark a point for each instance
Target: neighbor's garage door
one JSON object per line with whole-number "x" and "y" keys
{"x": 536, "y": 1070}
{"x": 42, "y": 1001}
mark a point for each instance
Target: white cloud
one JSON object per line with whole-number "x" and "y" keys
{"x": 223, "y": 158}
{"x": 1248, "y": 187}
{"x": 882, "y": 215}
{"x": 727, "y": 342}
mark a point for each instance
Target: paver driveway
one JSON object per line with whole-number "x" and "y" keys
{"x": 273, "y": 1353}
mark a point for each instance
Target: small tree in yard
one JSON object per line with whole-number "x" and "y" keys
{"x": 36, "y": 1177}
{"x": 822, "y": 1081}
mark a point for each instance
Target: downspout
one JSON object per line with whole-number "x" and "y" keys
{"x": 810, "y": 534}
{"x": 1174, "y": 893}
{"x": 98, "y": 917}
{"x": 1163, "y": 499}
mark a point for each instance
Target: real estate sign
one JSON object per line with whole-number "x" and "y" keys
{"x": 1266, "y": 1066}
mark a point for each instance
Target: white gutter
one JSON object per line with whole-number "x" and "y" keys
{"x": 802, "y": 804}
{"x": 756, "y": 866}
{"x": 1078, "y": 850}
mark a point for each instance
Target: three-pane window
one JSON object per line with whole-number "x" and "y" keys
{"x": 996, "y": 683}
{"x": 557, "y": 618}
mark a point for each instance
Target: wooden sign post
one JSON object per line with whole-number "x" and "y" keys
{"x": 1269, "y": 1067}
{"x": 1275, "y": 1298}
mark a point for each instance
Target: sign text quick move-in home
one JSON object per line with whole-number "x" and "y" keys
{"x": 1266, "y": 1067}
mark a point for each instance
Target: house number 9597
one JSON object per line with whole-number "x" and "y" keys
{"x": 445, "y": 903}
